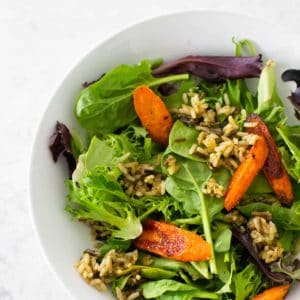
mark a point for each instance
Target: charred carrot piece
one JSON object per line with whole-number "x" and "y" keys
{"x": 245, "y": 173}
{"x": 153, "y": 114}
{"x": 273, "y": 169}
{"x": 275, "y": 293}
{"x": 169, "y": 241}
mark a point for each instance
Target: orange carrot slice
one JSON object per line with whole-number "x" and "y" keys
{"x": 245, "y": 173}
{"x": 169, "y": 241}
{"x": 153, "y": 114}
{"x": 275, "y": 293}
{"x": 273, "y": 169}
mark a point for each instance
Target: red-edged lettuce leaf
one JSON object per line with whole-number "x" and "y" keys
{"x": 294, "y": 75}
{"x": 243, "y": 236}
{"x": 213, "y": 68}
{"x": 288, "y": 265}
{"x": 60, "y": 143}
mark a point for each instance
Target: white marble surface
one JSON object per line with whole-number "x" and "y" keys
{"x": 39, "y": 42}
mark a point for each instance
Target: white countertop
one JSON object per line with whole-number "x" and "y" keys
{"x": 39, "y": 42}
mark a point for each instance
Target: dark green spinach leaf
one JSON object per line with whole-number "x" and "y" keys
{"x": 187, "y": 184}
{"x": 181, "y": 138}
{"x": 106, "y": 105}
{"x": 162, "y": 289}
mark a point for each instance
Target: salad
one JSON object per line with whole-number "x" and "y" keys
{"x": 188, "y": 179}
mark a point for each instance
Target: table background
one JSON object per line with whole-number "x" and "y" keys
{"x": 39, "y": 42}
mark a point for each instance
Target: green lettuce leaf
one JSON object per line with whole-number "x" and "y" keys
{"x": 223, "y": 240}
{"x": 269, "y": 105}
{"x": 291, "y": 159}
{"x": 240, "y": 95}
{"x": 247, "y": 282}
{"x": 99, "y": 197}
{"x": 244, "y": 45}
{"x": 109, "y": 149}
{"x": 175, "y": 99}
{"x": 226, "y": 266}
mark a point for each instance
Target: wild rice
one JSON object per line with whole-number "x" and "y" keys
{"x": 209, "y": 116}
{"x": 224, "y": 110}
{"x": 124, "y": 157}
{"x": 134, "y": 295}
{"x": 231, "y": 127}
{"x": 210, "y": 142}
{"x": 235, "y": 217}
{"x": 128, "y": 294}
{"x": 99, "y": 231}
{"x": 141, "y": 180}
{"x": 203, "y": 128}
{"x": 192, "y": 149}
{"x": 113, "y": 263}
{"x": 171, "y": 164}
{"x": 264, "y": 237}
{"x": 225, "y": 146}
{"x": 213, "y": 188}
{"x": 202, "y": 152}
{"x": 185, "y": 98}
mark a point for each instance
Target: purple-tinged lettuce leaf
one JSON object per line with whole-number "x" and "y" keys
{"x": 245, "y": 239}
{"x": 213, "y": 68}
{"x": 60, "y": 143}
{"x": 294, "y": 75}
{"x": 288, "y": 265}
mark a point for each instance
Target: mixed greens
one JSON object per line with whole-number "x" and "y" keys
{"x": 174, "y": 181}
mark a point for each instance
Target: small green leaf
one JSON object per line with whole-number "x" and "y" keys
{"x": 223, "y": 241}
{"x": 175, "y": 100}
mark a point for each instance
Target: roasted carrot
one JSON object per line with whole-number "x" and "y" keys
{"x": 153, "y": 114}
{"x": 245, "y": 173}
{"x": 169, "y": 241}
{"x": 273, "y": 169}
{"x": 275, "y": 293}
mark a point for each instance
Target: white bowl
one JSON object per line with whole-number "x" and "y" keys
{"x": 171, "y": 36}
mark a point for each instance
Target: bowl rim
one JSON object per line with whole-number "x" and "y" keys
{"x": 58, "y": 85}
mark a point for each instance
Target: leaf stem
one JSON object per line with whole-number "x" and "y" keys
{"x": 205, "y": 222}
{"x": 167, "y": 79}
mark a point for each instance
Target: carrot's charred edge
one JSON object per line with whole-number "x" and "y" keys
{"x": 172, "y": 242}
{"x": 245, "y": 173}
{"x": 275, "y": 293}
{"x": 274, "y": 170}
{"x": 153, "y": 114}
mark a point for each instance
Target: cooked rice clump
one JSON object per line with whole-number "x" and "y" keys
{"x": 223, "y": 143}
{"x": 141, "y": 180}
{"x": 113, "y": 264}
{"x": 171, "y": 164}
{"x": 213, "y": 188}
{"x": 264, "y": 237}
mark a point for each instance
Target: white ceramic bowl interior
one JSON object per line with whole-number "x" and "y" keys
{"x": 169, "y": 37}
